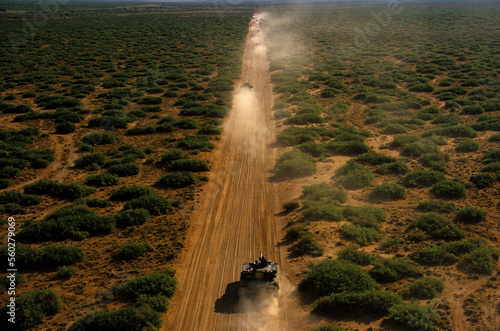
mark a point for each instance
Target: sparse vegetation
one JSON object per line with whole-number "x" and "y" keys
{"x": 389, "y": 191}
{"x": 155, "y": 204}
{"x": 32, "y": 308}
{"x": 334, "y": 276}
{"x": 437, "y": 226}
{"x": 132, "y": 251}
{"x": 295, "y": 164}
{"x": 66, "y": 191}
{"x": 380, "y": 103}
{"x": 423, "y": 288}
{"x": 449, "y": 189}
{"x": 413, "y": 315}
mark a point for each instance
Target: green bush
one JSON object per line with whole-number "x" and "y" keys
{"x": 124, "y": 169}
{"x": 418, "y": 149}
{"x": 323, "y": 192}
{"x": 370, "y": 301}
{"x": 56, "y": 101}
{"x": 470, "y": 215}
{"x": 172, "y": 155}
{"x": 290, "y": 205}
{"x": 95, "y": 139}
{"x": 89, "y": 160}
{"x": 103, "y": 179}
{"x": 394, "y": 269}
{"x": 123, "y": 319}
{"x": 65, "y": 127}
{"x": 335, "y": 276}
{"x": 48, "y": 256}
{"x": 463, "y": 246}
{"x": 437, "y": 226}
{"x": 282, "y": 113}
{"x": 375, "y": 158}
{"x": 209, "y": 130}
{"x": 158, "y": 302}
{"x": 389, "y": 191}
{"x": 424, "y": 288}
{"x": 483, "y": 180}
{"x": 307, "y": 244}
{"x": 327, "y": 328}
{"x": 394, "y": 129}
{"x": 155, "y": 204}
{"x": 329, "y": 211}
{"x": 294, "y": 232}
{"x": 96, "y": 202}
{"x": 366, "y": 215}
{"x": 108, "y": 123}
{"x": 132, "y": 217}
{"x": 179, "y": 179}
{"x": 4, "y": 183}
{"x": 466, "y": 145}
{"x": 19, "y": 198}
{"x": 437, "y": 160}
{"x": 294, "y": 164}
{"x": 449, "y": 189}
{"x": 159, "y": 283}
{"x": 402, "y": 141}
{"x": 413, "y": 315}
{"x": 66, "y": 191}
{"x": 353, "y": 254}
{"x": 132, "y": 251}
{"x": 163, "y": 128}
{"x": 491, "y": 155}
{"x": 131, "y": 192}
{"x": 434, "y": 255}
{"x": 32, "y": 308}
{"x": 396, "y": 168}
{"x": 348, "y": 148}
{"x": 140, "y": 130}
{"x": 312, "y": 148}
{"x": 73, "y": 221}
{"x": 148, "y": 100}
{"x": 480, "y": 261}
{"x": 436, "y": 205}
{"x": 292, "y": 135}
{"x": 354, "y": 176}
{"x": 391, "y": 244}
{"x": 359, "y": 234}
{"x": 193, "y": 165}
{"x": 303, "y": 119}
{"x": 420, "y": 87}
{"x": 493, "y": 167}
{"x": 423, "y": 178}
{"x": 197, "y": 142}
{"x": 454, "y": 131}
{"x": 494, "y": 137}
{"x": 65, "y": 272}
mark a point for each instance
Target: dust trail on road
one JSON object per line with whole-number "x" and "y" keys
{"x": 235, "y": 221}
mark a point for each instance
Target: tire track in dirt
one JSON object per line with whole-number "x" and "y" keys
{"x": 235, "y": 220}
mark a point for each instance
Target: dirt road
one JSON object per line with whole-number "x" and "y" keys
{"x": 234, "y": 220}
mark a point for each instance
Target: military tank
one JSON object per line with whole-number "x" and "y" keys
{"x": 261, "y": 273}
{"x": 246, "y": 85}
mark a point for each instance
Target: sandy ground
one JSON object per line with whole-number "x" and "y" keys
{"x": 235, "y": 219}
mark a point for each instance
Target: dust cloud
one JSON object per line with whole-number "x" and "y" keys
{"x": 282, "y": 40}
{"x": 264, "y": 308}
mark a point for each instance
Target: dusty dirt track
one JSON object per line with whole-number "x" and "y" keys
{"x": 235, "y": 218}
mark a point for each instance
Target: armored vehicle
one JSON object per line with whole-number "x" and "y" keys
{"x": 261, "y": 273}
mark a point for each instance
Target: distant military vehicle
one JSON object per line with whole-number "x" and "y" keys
{"x": 261, "y": 273}
{"x": 246, "y": 85}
